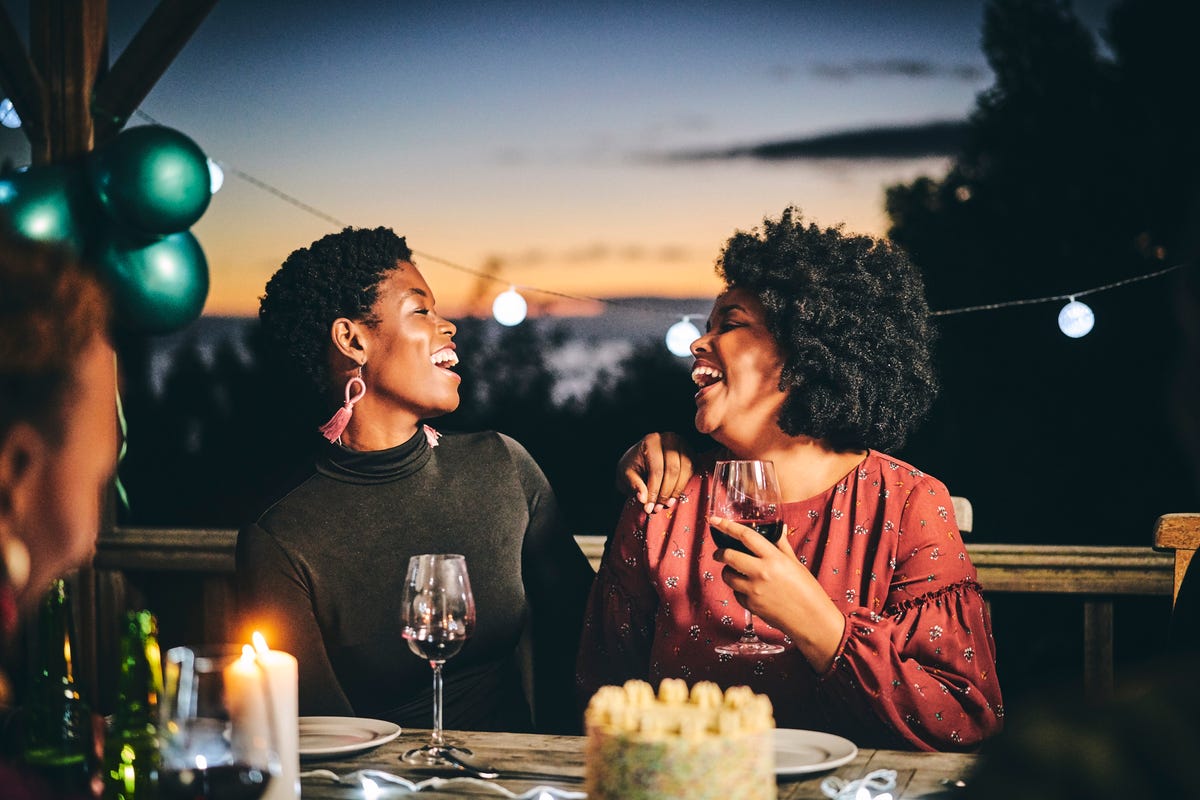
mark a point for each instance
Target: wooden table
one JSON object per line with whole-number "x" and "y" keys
{"x": 917, "y": 774}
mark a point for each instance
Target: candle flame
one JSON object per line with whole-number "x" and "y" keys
{"x": 260, "y": 643}
{"x": 248, "y": 653}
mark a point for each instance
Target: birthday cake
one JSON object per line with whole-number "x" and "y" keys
{"x": 702, "y": 744}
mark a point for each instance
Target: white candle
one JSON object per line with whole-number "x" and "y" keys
{"x": 280, "y": 671}
{"x": 247, "y": 701}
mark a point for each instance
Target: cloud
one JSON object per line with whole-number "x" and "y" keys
{"x": 591, "y": 253}
{"x": 891, "y": 142}
{"x": 885, "y": 68}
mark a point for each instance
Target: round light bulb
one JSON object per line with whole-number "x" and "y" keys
{"x": 1076, "y": 319}
{"x": 509, "y": 308}
{"x": 216, "y": 176}
{"x": 680, "y": 337}
{"x": 8, "y": 114}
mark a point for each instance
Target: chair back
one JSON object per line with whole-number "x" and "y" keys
{"x": 963, "y": 513}
{"x": 1181, "y": 534}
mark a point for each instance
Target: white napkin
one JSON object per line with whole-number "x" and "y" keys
{"x": 377, "y": 783}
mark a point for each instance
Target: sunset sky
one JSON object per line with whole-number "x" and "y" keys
{"x": 554, "y": 143}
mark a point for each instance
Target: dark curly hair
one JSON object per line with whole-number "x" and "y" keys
{"x": 51, "y": 309}
{"x": 850, "y": 316}
{"x": 336, "y": 276}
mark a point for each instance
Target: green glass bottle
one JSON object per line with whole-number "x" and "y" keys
{"x": 58, "y": 728}
{"x": 130, "y": 751}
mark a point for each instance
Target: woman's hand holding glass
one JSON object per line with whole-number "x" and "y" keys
{"x": 770, "y": 582}
{"x": 748, "y": 492}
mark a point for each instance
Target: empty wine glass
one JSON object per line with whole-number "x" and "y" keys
{"x": 217, "y": 734}
{"x": 746, "y": 492}
{"x": 438, "y": 613}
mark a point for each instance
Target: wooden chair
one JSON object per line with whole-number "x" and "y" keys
{"x": 963, "y": 513}
{"x": 1181, "y": 534}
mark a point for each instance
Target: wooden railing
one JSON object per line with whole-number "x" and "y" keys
{"x": 194, "y": 568}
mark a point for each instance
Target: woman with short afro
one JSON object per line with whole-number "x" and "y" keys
{"x": 816, "y": 357}
{"x": 322, "y": 570}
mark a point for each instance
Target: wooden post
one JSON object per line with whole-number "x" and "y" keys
{"x": 1098, "y": 679}
{"x": 67, "y": 43}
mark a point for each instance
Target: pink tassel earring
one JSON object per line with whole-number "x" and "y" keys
{"x": 332, "y": 430}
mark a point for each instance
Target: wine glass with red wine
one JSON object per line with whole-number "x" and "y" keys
{"x": 216, "y": 733}
{"x": 438, "y": 614}
{"x": 746, "y": 492}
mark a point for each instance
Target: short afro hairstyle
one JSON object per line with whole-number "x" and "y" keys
{"x": 851, "y": 320}
{"x": 336, "y": 276}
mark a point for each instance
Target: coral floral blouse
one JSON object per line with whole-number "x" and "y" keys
{"x": 916, "y": 665}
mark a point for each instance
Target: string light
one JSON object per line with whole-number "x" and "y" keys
{"x": 8, "y": 114}
{"x": 1075, "y": 319}
{"x": 509, "y": 307}
{"x": 216, "y": 176}
{"x": 680, "y": 337}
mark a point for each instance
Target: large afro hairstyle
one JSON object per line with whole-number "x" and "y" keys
{"x": 336, "y": 276}
{"x": 850, "y": 317}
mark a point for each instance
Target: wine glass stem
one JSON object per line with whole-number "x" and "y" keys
{"x": 436, "y": 739}
{"x": 748, "y": 634}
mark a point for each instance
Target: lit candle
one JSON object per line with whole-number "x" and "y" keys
{"x": 279, "y": 670}
{"x": 247, "y": 700}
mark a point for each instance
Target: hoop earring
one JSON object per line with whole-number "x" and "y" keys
{"x": 356, "y": 387}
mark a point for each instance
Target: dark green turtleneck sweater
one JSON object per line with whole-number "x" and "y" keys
{"x": 322, "y": 571}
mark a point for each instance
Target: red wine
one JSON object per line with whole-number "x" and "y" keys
{"x": 232, "y": 781}
{"x": 770, "y": 531}
{"x": 433, "y": 644}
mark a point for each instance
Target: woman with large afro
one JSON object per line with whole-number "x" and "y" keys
{"x": 817, "y": 358}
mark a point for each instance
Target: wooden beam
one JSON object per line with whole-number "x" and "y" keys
{"x": 144, "y": 61}
{"x": 208, "y": 550}
{"x": 1073, "y": 569}
{"x": 67, "y": 42}
{"x": 1179, "y": 533}
{"x": 20, "y": 80}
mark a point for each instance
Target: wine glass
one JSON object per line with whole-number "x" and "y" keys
{"x": 746, "y": 492}
{"x": 438, "y": 613}
{"x": 217, "y": 734}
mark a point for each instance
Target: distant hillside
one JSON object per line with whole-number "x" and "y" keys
{"x": 592, "y": 343}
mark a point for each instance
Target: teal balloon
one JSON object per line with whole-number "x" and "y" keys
{"x": 49, "y": 204}
{"x": 151, "y": 178}
{"x": 158, "y": 286}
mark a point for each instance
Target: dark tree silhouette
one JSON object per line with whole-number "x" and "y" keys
{"x": 1073, "y": 175}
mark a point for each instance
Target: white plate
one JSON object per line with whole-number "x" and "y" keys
{"x": 327, "y": 736}
{"x": 798, "y": 752}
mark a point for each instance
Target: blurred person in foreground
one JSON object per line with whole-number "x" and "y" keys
{"x": 322, "y": 568}
{"x": 58, "y": 436}
{"x": 816, "y": 357}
